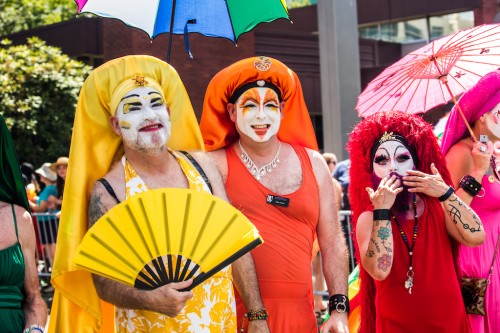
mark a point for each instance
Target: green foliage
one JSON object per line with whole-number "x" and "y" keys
{"x": 299, "y": 3}
{"x": 39, "y": 88}
{"x": 17, "y": 15}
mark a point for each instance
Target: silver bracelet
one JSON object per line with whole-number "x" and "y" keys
{"x": 34, "y": 328}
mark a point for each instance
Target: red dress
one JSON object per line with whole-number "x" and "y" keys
{"x": 435, "y": 304}
{"x": 283, "y": 262}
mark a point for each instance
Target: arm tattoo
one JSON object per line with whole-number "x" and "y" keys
{"x": 379, "y": 241}
{"x": 375, "y": 243}
{"x": 455, "y": 205}
{"x": 96, "y": 209}
{"x": 384, "y": 262}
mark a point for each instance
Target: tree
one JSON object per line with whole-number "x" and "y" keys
{"x": 299, "y": 3}
{"x": 39, "y": 88}
{"x": 17, "y": 15}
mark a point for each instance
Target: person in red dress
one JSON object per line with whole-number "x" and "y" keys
{"x": 257, "y": 127}
{"x": 407, "y": 223}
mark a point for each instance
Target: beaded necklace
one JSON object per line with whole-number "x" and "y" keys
{"x": 410, "y": 274}
{"x": 258, "y": 173}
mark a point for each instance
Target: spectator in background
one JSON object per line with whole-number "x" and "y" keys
{"x": 331, "y": 160}
{"x": 341, "y": 173}
{"x": 30, "y": 182}
{"x": 47, "y": 224}
{"x": 60, "y": 167}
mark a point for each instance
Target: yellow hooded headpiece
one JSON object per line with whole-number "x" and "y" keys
{"x": 94, "y": 148}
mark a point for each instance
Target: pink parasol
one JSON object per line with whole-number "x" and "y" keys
{"x": 435, "y": 73}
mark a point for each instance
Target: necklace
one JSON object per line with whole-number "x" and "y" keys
{"x": 258, "y": 173}
{"x": 410, "y": 274}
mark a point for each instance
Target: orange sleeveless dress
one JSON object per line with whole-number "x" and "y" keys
{"x": 283, "y": 262}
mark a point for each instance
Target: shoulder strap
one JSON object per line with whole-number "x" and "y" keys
{"x": 108, "y": 188}
{"x": 198, "y": 168}
{"x": 15, "y": 220}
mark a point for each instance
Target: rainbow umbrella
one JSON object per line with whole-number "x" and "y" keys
{"x": 214, "y": 18}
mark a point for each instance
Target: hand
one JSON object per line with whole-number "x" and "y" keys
{"x": 385, "y": 195}
{"x": 481, "y": 155}
{"x": 258, "y": 326}
{"x": 169, "y": 300}
{"x": 337, "y": 323}
{"x": 420, "y": 182}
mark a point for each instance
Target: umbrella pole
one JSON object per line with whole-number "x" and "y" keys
{"x": 444, "y": 80}
{"x": 172, "y": 17}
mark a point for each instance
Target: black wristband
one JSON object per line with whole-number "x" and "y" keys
{"x": 381, "y": 214}
{"x": 447, "y": 194}
{"x": 339, "y": 303}
{"x": 470, "y": 185}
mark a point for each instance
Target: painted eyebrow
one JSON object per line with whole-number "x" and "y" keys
{"x": 249, "y": 95}
{"x": 270, "y": 96}
{"x": 401, "y": 146}
{"x": 385, "y": 150}
{"x": 128, "y": 96}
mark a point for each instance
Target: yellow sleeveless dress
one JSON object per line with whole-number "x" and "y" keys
{"x": 212, "y": 308}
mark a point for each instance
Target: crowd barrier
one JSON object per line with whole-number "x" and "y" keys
{"x": 46, "y": 225}
{"x": 345, "y": 219}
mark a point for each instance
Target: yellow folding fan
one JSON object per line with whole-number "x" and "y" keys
{"x": 166, "y": 235}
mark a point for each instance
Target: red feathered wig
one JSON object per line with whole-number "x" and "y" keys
{"x": 419, "y": 135}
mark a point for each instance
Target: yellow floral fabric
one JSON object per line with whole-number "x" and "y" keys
{"x": 212, "y": 308}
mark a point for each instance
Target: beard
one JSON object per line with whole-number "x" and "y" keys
{"x": 403, "y": 198}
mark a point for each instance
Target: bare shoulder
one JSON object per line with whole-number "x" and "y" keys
{"x": 213, "y": 163}
{"x": 459, "y": 159}
{"x": 101, "y": 200}
{"x": 459, "y": 150}
{"x": 319, "y": 165}
{"x": 205, "y": 161}
{"x": 218, "y": 155}
{"x": 24, "y": 224}
{"x": 209, "y": 165}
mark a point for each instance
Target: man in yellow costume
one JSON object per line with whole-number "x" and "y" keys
{"x": 133, "y": 114}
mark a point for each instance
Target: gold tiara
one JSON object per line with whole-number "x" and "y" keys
{"x": 387, "y": 136}
{"x": 139, "y": 80}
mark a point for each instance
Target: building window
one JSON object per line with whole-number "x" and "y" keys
{"x": 424, "y": 29}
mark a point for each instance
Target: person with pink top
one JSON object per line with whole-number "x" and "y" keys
{"x": 476, "y": 179}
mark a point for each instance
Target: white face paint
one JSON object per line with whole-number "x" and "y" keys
{"x": 143, "y": 119}
{"x": 392, "y": 156}
{"x": 492, "y": 123}
{"x": 258, "y": 114}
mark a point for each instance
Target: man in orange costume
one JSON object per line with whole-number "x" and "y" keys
{"x": 256, "y": 124}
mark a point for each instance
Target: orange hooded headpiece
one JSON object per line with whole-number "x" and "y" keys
{"x": 219, "y": 131}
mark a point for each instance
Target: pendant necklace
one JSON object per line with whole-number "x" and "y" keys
{"x": 410, "y": 273}
{"x": 258, "y": 173}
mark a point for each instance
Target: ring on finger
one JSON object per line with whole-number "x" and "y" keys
{"x": 482, "y": 149}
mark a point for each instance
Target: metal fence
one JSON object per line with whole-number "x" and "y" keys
{"x": 46, "y": 226}
{"x": 345, "y": 219}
